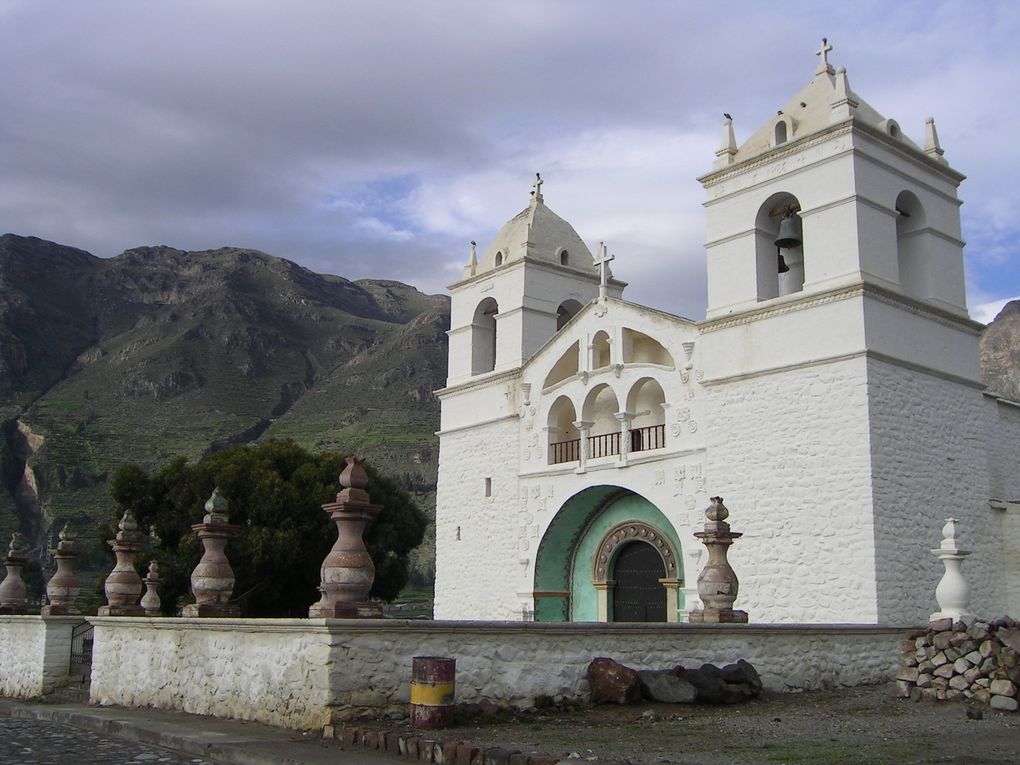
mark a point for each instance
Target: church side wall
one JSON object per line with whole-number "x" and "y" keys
{"x": 477, "y": 536}
{"x": 929, "y": 463}
{"x": 789, "y": 453}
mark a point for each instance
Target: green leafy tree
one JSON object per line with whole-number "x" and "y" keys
{"x": 275, "y": 490}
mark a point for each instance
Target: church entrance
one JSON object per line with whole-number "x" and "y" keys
{"x": 608, "y": 555}
{"x": 638, "y": 594}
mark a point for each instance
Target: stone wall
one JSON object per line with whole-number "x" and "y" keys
{"x": 35, "y": 654}
{"x": 306, "y": 673}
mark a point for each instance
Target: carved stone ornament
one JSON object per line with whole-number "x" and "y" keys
{"x": 629, "y": 532}
{"x": 13, "y": 592}
{"x": 150, "y": 600}
{"x": 123, "y": 586}
{"x": 212, "y": 581}
{"x": 63, "y": 588}
{"x": 348, "y": 572}
{"x": 717, "y": 583}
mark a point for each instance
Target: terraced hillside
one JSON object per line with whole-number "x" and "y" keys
{"x": 160, "y": 352}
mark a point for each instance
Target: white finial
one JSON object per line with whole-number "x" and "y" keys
{"x": 603, "y": 265}
{"x": 843, "y": 103}
{"x": 824, "y": 67}
{"x": 952, "y": 593}
{"x": 728, "y": 145}
{"x": 932, "y": 147}
{"x": 536, "y": 194}
{"x": 473, "y": 259}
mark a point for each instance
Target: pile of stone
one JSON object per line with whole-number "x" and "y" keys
{"x": 614, "y": 683}
{"x": 955, "y": 661}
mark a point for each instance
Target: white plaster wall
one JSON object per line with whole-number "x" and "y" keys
{"x": 35, "y": 653}
{"x": 304, "y": 673}
{"x": 1003, "y": 445}
{"x": 930, "y": 462}
{"x": 477, "y": 536}
{"x": 789, "y": 453}
{"x": 271, "y": 670}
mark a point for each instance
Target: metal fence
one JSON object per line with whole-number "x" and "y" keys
{"x": 81, "y": 650}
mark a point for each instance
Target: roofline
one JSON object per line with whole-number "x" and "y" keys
{"x": 540, "y": 264}
{"x": 846, "y": 126}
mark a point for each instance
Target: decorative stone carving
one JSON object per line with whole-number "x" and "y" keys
{"x": 212, "y": 581}
{"x": 13, "y": 592}
{"x": 952, "y": 593}
{"x": 150, "y": 600}
{"x": 123, "y": 585}
{"x": 63, "y": 588}
{"x": 717, "y": 583}
{"x": 347, "y": 573}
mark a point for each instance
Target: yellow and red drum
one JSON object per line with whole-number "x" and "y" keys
{"x": 432, "y": 690}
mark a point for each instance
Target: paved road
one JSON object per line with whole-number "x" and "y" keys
{"x": 38, "y": 742}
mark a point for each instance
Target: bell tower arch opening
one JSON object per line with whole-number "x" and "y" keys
{"x": 779, "y": 247}
{"x": 915, "y": 270}
{"x": 483, "y": 337}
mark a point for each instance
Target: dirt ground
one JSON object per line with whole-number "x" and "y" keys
{"x": 864, "y": 726}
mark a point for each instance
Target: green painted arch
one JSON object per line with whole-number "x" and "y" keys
{"x": 564, "y": 562}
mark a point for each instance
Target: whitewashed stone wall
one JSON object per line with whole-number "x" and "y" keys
{"x": 35, "y": 654}
{"x": 305, "y": 673}
{"x": 928, "y": 437}
{"x": 477, "y": 536}
{"x": 271, "y": 670}
{"x": 789, "y": 454}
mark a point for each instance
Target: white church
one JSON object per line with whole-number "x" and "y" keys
{"x": 831, "y": 395}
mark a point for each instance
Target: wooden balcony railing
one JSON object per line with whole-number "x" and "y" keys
{"x": 608, "y": 444}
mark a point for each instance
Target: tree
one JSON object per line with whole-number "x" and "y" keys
{"x": 275, "y": 490}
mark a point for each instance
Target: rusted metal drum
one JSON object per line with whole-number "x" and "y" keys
{"x": 432, "y": 691}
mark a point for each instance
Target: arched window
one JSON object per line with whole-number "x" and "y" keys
{"x": 564, "y": 440}
{"x": 648, "y": 428}
{"x": 499, "y": 258}
{"x": 567, "y": 310}
{"x": 564, "y": 258}
{"x": 483, "y": 337}
{"x": 915, "y": 270}
{"x": 600, "y": 350}
{"x": 639, "y": 348}
{"x": 566, "y": 366}
{"x": 600, "y": 408}
{"x": 780, "y": 133}
{"x": 779, "y": 270}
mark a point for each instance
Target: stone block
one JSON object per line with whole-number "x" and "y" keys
{"x": 412, "y": 743}
{"x": 939, "y": 659}
{"x": 987, "y": 648}
{"x": 981, "y": 696}
{"x": 974, "y": 657}
{"x": 909, "y": 660}
{"x": 925, "y": 666}
{"x": 983, "y": 682}
{"x": 959, "y": 639}
{"x": 391, "y": 742}
{"x": 923, "y": 654}
{"x": 972, "y": 674}
{"x": 952, "y": 654}
{"x": 940, "y": 694}
{"x": 946, "y": 671}
{"x": 351, "y": 736}
{"x": 916, "y": 694}
{"x": 958, "y": 682}
{"x": 940, "y": 683}
{"x": 908, "y": 646}
{"x": 1002, "y": 688}
{"x": 1008, "y": 657}
{"x": 465, "y": 753}
{"x": 903, "y": 689}
{"x": 907, "y": 673}
{"x": 954, "y": 695}
{"x": 988, "y": 666}
{"x": 1010, "y": 638}
{"x": 427, "y": 750}
{"x": 978, "y": 631}
{"x": 449, "y": 750}
{"x": 961, "y": 665}
{"x": 1004, "y": 703}
{"x": 942, "y": 639}
{"x": 941, "y": 625}
{"x": 924, "y": 681}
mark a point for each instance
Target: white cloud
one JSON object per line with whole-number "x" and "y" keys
{"x": 986, "y": 312}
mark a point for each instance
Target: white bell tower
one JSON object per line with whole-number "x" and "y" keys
{"x": 532, "y": 279}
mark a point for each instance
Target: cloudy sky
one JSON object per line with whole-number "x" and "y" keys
{"x": 376, "y": 139}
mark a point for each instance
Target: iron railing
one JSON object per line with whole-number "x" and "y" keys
{"x": 651, "y": 437}
{"x": 81, "y": 650}
{"x": 608, "y": 444}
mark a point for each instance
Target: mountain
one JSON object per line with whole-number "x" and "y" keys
{"x": 1000, "y": 352}
{"x": 160, "y": 352}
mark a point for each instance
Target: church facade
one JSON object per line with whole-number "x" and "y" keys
{"x": 832, "y": 396}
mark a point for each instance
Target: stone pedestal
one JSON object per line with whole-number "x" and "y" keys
{"x": 952, "y": 593}
{"x": 150, "y": 600}
{"x": 123, "y": 586}
{"x": 347, "y": 572}
{"x": 717, "y": 583}
{"x": 13, "y": 592}
{"x": 212, "y": 581}
{"x": 63, "y": 587}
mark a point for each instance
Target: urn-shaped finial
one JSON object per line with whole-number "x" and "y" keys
{"x": 717, "y": 510}
{"x": 217, "y": 509}
{"x": 17, "y": 548}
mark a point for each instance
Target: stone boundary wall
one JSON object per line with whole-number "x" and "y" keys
{"x": 308, "y": 673}
{"x": 35, "y": 654}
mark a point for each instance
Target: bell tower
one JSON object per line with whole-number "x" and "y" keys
{"x": 848, "y": 198}
{"x": 532, "y": 279}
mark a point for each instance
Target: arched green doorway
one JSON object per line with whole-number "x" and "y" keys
{"x": 576, "y": 558}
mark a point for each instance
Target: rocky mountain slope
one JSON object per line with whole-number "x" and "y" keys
{"x": 160, "y": 352}
{"x": 1000, "y": 352}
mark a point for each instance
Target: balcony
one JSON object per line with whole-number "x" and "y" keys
{"x": 608, "y": 444}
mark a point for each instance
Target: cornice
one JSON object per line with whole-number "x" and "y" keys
{"x": 479, "y": 381}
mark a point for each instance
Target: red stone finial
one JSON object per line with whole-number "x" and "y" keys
{"x": 354, "y": 475}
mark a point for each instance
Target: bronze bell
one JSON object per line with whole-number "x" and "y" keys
{"x": 788, "y": 238}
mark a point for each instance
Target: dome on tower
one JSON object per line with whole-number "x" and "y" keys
{"x": 538, "y": 234}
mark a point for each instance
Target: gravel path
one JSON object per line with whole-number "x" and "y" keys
{"x": 863, "y": 726}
